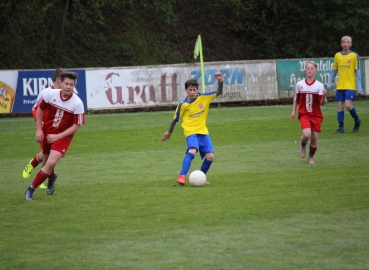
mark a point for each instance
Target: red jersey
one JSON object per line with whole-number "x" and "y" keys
{"x": 61, "y": 113}
{"x": 34, "y": 108}
{"x": 308, "y": 97}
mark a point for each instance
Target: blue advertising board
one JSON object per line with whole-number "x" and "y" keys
{"x": 31, "y": 83}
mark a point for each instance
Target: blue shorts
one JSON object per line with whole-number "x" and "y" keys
{"x": 342, "y": 95}
{"x": 202, "y": 143}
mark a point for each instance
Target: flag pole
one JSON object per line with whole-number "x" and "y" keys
{"x": 197, "y": 51}
{"x": 202, "y": 68}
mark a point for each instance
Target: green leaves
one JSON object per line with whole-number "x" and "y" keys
{"x": 128, "y": 32}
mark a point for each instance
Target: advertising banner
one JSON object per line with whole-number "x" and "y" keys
{"x": 143, "y": 86}
{"x": 23, "y": 87}
{"x": 164, "y": 85}
{"x": 289, "y": 72}
{"x": 8, "y": 85}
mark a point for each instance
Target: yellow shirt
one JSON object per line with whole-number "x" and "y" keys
{"x": 195, "y": 114}
{"x": 346, "y": 65}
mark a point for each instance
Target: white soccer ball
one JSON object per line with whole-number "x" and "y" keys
{"x": 197, "y": 178}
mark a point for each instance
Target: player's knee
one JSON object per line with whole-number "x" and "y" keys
{"x": 51, "y": 162}
{"x": 192, "y": 150}
{"x": 306, "y": 136}
{"x": 209, "y": 156}
{"x": 48, "y": 167}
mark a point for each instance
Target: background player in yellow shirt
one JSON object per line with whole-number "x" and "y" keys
{"x": 194, "y": 111}
{"x": 346, "y": 63}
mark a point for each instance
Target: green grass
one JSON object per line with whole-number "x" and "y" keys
{"x": 116, "y": 205}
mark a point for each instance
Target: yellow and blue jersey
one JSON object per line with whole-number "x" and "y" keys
{"x": 194, "y": 113}
{"x": 346, "y": 65}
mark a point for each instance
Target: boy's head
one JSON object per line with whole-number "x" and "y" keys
{"x": 192, "y": 87}
{"x": 58, "y": 72}
{"x": 70, "y": 75}
{"x": 191, "y": 82}
{"x": 311, "y": 68}
{"x": 57, "y": 77}
{"x": 69, "y": 80}
{"x": 346, "y": 38}
{"x": 346, "y": 43}
{"x": 310, "y": 64}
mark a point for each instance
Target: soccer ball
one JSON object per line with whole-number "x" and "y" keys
{"x": 197, "y": 178}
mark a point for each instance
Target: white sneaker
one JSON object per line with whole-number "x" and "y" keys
{"x": 311, "y": 160}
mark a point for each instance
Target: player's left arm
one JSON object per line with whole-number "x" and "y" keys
{"x": 54, "y": 137}
{"x": 219, "y": 78}
{"x": 324, "y": 100}
{"x": 78, "y": 120}
{"x": 359, "y": 87}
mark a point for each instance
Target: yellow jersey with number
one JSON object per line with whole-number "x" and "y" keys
{"x": 194, "y": 113}
{"x": 346, "y": 65}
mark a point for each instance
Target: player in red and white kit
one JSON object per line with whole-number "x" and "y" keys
{"x": 55, "y": 131}
{"x": 38, "y": 158}
{"x": 309, "y": 96}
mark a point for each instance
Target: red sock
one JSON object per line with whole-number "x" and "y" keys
{"x": 312, "y": 151}
{"x": 39, "y": 179}
{"x": 52, "y": 174}
{"x": 35, "y": 161}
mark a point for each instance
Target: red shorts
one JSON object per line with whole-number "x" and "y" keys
{"x": 60, "y": 145}
{"x": 312, "y": 122}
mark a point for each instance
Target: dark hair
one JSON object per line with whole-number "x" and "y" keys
{"x": 58, "y": 72}
{"x": 69, "y": 75}
{"x": 191, "y": 82}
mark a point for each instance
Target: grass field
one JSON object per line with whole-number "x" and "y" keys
{"x": 116, "y": 205}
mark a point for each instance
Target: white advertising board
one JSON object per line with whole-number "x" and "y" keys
{"x": 117, "y": 88}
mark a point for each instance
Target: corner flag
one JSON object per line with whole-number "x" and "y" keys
{"x": 196, "y": 52}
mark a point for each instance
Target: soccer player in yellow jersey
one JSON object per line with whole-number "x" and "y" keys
{"x": 194, "y": 111}
{"x": 346, "y": 63}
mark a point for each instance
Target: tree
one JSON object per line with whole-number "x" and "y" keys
{"x": 96, "y": 33}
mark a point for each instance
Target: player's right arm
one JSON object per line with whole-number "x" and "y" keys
{"x": 359, "y": 87}
{"x": 34, "y": 108}
{"x": 167, "y": 134}
{"x": 333, "y": 72}
{"x": 294, "y": 106}
{"x": 296, "y": 100}
{"x": 39, "y": 131}
{"x": 332, "y": 78}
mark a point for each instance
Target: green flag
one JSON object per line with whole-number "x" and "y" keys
{"x": 198, "y": 47}
{"x": 196, "y": 52}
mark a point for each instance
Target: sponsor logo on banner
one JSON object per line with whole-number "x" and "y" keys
{"x": 8, "y": 85}
{"x": 292, "y": 71}
{"x": 121, "y": 88}
{"x": 31, "y": 83}
{"x": 7, "y": 97}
